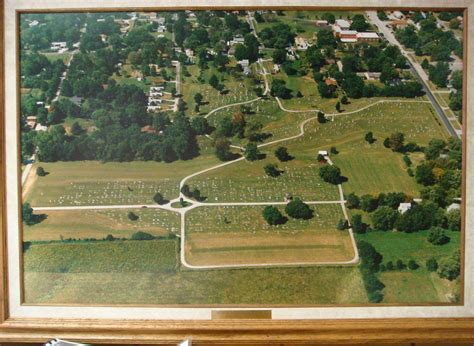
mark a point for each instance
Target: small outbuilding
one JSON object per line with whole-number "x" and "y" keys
{"x": 323, "y": 152}
{"x": 404, "y": 207}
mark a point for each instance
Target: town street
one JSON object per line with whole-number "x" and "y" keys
{"x": 417, "y": 70}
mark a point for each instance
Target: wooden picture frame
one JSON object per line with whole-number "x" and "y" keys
{"x": 251, "y": 326}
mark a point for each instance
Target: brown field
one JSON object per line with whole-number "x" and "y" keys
{"x": 238, "y": 248}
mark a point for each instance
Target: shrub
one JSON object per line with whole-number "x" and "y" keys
{"x": 450, "y": 268}
{"x": 158, "y": 198}
{"x": 412, "y": 265}
{"x": 132, "y": 216}
{"x": 273, "y": 216}
{"x": 272, "y": 170}
{"x": 390, "y": 265}
{"x": 40, "y": 172}
{"x": 142, "y": 236}
{"x": 400, "y": 265}
{"x": 431, "y": 265}
{"x": 437, "y": 236}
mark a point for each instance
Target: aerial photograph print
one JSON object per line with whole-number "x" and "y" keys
{"x": 241, "y": 158}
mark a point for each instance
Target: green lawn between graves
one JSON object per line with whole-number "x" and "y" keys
{"x": 144, "y": 272}
{"x": 418, "y": 286}
{"x": 95, "y": 183}
{"x": 369, "y": 168}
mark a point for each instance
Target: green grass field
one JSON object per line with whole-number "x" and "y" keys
{"x": 240, "y": 235}
{"x": 103, "y": 257}
{"x": 105, "y": 273}
{"x": 81, "y": 224}
{"x": 418, "y": 286}
{"x": 358, "y": 159}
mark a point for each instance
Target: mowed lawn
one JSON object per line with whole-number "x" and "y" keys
{"x": 372, "y": 169}
{"x": 369, "y": 168}
{"x": 83, "y": 224}
{"x": 418, "y": 286}
{"x": 246, "y": 181}
{"x": 95, "y": 183}
{"x": 240, "y": 235}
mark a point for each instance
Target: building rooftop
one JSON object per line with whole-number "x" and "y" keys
{"x": 367, "y": 35}
{"x": 348, "y": 40}
{"x": 348, "y": 32}
{"x": 342, "y": 23}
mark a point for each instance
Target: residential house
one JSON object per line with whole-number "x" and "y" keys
{"x": 301, "y": 43}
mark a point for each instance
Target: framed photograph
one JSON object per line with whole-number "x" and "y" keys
{"x": 231, "y": 171}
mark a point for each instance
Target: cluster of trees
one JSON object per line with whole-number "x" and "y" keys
{"x": 64, "y": 27}
{"x": 296, "y": 209}
{"x": 248, "y": 50}
{"x": 386, "y": 59}
{"x": 447, "y": 268}
{"x": 237, "y": 125}
{"x": 39, "y": 73}
{"x": 119, "y": 114}
{"x": 399, "y": 265}
{"x": 385, "y": 216}
{"x": 194, "y": 193}
{"x": 430, "y": 40}
{"x": 370, "y": 261}
{"x": 278, "y": 36}
{"x": 331, "y": 174}
{"x": 438, "y": 73}
{"x": 455, "y": 97}
{"x": 279, "y": 89}
{"x": 359, "y": 23}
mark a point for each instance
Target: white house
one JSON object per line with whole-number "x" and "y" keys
{"x": 404, "y": 207}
